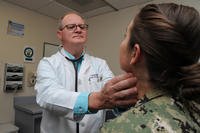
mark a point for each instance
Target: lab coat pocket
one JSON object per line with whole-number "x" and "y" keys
{"x": 95, "y": 82}
{"x": 89, "y": 83}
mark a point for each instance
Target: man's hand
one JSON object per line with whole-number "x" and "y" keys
{"x": 120, "y": 91}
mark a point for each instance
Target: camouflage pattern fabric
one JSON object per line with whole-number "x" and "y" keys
{"x": 157, "y": 113}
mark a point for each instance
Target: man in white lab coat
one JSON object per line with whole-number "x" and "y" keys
{"x": 74, "y": 87}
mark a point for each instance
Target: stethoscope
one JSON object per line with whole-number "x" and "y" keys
{"x": 75, "y": 64}
{"x": 60, "y": 47}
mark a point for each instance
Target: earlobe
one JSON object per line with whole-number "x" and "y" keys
{"x": 135, "y": 55}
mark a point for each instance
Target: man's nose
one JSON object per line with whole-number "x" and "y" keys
{"x": 78, "y": 29}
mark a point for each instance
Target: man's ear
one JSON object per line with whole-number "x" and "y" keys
{"x": 135, "y": 55}
{"x": 59, "y": 34}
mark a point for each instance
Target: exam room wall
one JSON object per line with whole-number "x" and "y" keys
{"x": 107, "y": 31}
{"x": 105, "y": 34}
{"x": 38, "y": 29}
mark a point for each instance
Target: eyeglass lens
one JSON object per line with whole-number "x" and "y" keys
{"x": 74, "y": 26}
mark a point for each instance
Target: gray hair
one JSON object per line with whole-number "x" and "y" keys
{"x": 60, "y": 25}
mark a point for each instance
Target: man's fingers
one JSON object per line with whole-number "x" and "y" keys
{"x": 126, "y": 97}
{"x": 120, "y": 91}
{"x": 129, "y": 102}
{"x": 120, "y": 78}
{"x": 125, "y": 84}
{"x": 130, "y": 93}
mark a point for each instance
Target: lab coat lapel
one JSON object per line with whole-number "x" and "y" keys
{"x": 86, "y": 64}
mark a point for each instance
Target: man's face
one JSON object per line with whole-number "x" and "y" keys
{"x": 72, "y": 36}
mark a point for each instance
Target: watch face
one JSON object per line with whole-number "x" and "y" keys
{"x": 28, "y": 52}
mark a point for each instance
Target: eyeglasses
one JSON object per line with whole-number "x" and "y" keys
{"x": 72, "y": 27}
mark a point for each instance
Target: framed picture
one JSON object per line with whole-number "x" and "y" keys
{"x": 49, "y": 49}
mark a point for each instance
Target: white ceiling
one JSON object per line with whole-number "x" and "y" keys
{"x": 88, "y": 8}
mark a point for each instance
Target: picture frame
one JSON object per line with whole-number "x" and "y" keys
{"x": 49, "y": 49}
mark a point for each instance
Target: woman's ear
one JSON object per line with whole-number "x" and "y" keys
{"x": 135, "y": 55}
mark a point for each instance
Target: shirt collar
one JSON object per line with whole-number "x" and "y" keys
{"x": 69, "y": 55}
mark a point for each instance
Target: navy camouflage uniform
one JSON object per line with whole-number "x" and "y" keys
{"x": 157, "y": 112}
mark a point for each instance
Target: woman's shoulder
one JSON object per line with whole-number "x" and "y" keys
{"x": 160, "y": 114}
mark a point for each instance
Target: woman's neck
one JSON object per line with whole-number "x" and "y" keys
{"x": 144, "y": 86}
{"x": 144, "y": 83}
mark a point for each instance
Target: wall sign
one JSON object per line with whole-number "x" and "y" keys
{"x": 28, "y": 54}
{"x": 15, "y": 29}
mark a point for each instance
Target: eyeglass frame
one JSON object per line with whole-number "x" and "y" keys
{"x": 74, "y": 28}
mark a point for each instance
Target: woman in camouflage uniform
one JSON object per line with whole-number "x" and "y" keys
{"x": 162, "y": 48}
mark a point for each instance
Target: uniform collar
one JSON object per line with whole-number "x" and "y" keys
{"x": 155, "y": 92}
{"x": 151, "y": 95}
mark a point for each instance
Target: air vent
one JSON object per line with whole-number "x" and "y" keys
{"x": 82, "y": 5}
{"x": 83, "y": 2}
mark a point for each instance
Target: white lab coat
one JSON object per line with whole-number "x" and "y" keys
{"x": 55, "y": 88}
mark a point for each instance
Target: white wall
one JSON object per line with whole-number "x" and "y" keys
{"x": 38, "y": 29}
{"x": 106, "y": 31}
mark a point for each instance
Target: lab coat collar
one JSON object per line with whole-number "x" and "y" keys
{"x": 69, "y": 55}
{"x": 85, "y": 63}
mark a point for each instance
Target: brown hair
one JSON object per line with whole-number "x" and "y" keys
{"x": 169, "y": 37}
